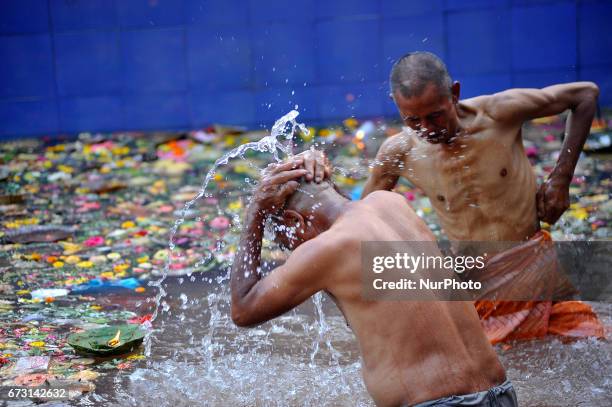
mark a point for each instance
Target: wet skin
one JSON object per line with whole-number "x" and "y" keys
{"x": 473, "y": 167}
{"x": 412, "y": 351}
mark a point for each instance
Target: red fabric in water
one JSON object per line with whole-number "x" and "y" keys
{"x": 509, "y": 320}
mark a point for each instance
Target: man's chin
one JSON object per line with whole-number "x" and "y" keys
{"x": 443, "y": 138}
{"x": 435, "y": 139}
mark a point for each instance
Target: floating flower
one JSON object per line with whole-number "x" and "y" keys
{"x": 241, "y": 169}
{"x": 33, "y": 380}
{"x": 235, "y": 206}
{"x": 128, "y": 224}
{"x": 58, "y": 264}
{"x": 88, "y": 206}
{"x": 85, "y": 375}
{"x": 94, "y": 241}
{"x": 70, "y": 248}
{"x": 108, "y": 275}
{"x": 73, "y": 259}
{"x": 98, "y": 259}
{"x": 113, "y": 256}
{"x": 117, "y": 268}
{"x": 531, "y": 151}
{"x": 85, "y": 264}
{"x": 161, "y": 254}
{"x": 37, "y": 344}
{"x": 65, "y": 168}
{"x": 140, "y": 320}
{"x": 124, "y": 365}
{"x": 220, "y": 223}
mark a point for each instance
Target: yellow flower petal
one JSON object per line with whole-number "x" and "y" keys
{"x": 85, "y": 264}
{"x": 128, "y": 224}
{"x": 73, "y": 259}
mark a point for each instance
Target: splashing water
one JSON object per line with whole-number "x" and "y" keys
{"x": 284, "y": 127}
{"x": 279, "y": 139}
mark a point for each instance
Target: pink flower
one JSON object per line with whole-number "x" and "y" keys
{"x": 124, "y": 365}
{"x": 94, "y": 241}
{"x": 166, "y": 208}
{"x": 531, "y": 151}
{"x": 409, "y": 196}
{"x": 220, "y": 223}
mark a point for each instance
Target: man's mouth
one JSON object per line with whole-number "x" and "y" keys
{"x": 434, "y": 137}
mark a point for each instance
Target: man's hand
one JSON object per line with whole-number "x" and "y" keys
{"x": 552, "y": 200}
{"x": 255, "y": 300}
{"x": 317, "y": 165}
{"x": 277, "y": 184}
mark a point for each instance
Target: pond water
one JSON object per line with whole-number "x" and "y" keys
{"x": 273, "y": 364}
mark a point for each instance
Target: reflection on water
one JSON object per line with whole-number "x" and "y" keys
{"x": 271, "y": 365}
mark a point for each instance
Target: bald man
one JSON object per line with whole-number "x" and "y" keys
{"x": 424, "y": 353}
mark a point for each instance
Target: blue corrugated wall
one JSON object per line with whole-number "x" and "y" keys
{"x": 74, "y": 65}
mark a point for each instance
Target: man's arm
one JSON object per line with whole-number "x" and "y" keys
{"x": 387, "y": 165}
{"x": 519, "y": 105}
{"x": 303, "y": 274}
{"x": 255, "y": 300}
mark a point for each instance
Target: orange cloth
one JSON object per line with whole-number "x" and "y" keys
{"x": 508, "y": 320}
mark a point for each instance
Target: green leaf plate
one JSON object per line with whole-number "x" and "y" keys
{"x": 95, "y": 341}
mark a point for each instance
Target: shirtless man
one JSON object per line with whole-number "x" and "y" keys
{"x": 468, "y": 158}
{"x": 412, "y": 351}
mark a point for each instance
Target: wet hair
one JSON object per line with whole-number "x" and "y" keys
{"x": 414, "y": 71}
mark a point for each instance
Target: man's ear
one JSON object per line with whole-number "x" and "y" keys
{"x": 293, "y": 218}
{"x": 455, "y": 91}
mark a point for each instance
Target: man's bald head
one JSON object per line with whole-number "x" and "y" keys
{"x": 413, "y": 72}
{"x": 309, "y": 196}
{"x": 308, "y": 212}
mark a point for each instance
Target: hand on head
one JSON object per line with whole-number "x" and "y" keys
{"x": 317, "y": 165}
{"x": 279, "y": 182}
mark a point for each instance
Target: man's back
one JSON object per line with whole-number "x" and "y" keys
{"x": 412, "y": 351}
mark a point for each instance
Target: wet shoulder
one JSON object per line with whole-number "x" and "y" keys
{"x": 475, "y": 112}
{"x": 340, "y": 238}
{"x": 396, "y": 145}
{"x": 327, "y": 247}
{"x": 381, "y": 197}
